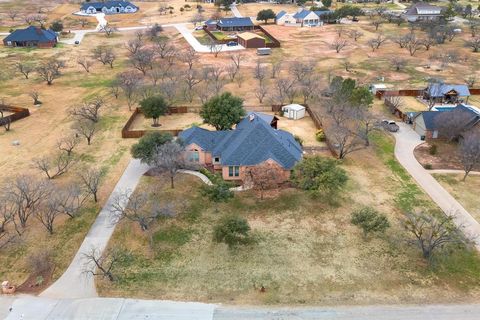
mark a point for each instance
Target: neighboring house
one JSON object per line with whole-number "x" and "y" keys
{"x": 253, "y": 142}
{"x": 211, "y": 24}
{"x": 422, "y": 11}
{"x": 31, "y": 37}
{"x": 235, "y": 24}
{"x": 447, "y": 93}
{"x": 109, "y": 7}
{"x": 293, "y": 111}
{"x": 426, "y": 123}
{"x": 302, "y": 18}
{"x": 251, "y": 40}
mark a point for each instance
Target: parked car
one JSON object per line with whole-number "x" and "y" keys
{"x": 390, "y": 125}
{"x": 199, "y": 28}
{"x": 77, "y": 42}
{"x": 232, "y": 44}
{"x": 264, "y": 51}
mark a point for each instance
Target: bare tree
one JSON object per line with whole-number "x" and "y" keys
{"x": 428, "y": 42}
{"x": 25, "y": 68}
{"x": 105, "y": 55}
{"x": 345, "y": 137}
{"x": 12, "y": 14}
{"x": 191, "y": 79}
{"x": 197, "y": 18}
{"x": 83, "y": 22}
{"x": 142, "y": 60}
{"x": 261, "y": 91}
{"x": 85, "y": 128}
{"x": 91, "y": 180}
{"x": 101, "y": 264}
{"x": 430, "y": 233}
{"x": 276, "y": 68}
{"x": 35, "y": 95}
{"x": 214, "y": 74}
{"x": 169, "y": 89}
{"x": 29, "y": 19}
{"x": 133, "y": 45}
{"x": 470, "y": 80}
{"x": 129, "y": 82}
{"x": 108, "y": 30}
{"x": 375, "y": 43}
{"x": 89, "y": 110}
{"x": 309, "y": 87}
{"x": 67, "y": 144}
{"x": 114, "y": 88}
{"x": 134, "y": 207}
{"x": 237, "y": 59}
{"x": 394, "y": 103}
{"x": 413, "y": 45}
{"x": 469, "y": 150}
{"x": 377, "y": 23}
{"x": 163, "y": 48}
{"x": 338, "y": 44}
{"x": 215, "y": 48}
{"x": 50, "y": 70}
{"x": 41, "y": 19}
{"x": 49, "y": 211}
{"x": 355, "y": 34}
{"x": 55, "y": 166}
{"x": 189, "y": 57}
{"x": 168, "y": 158}
{"x": 347, "y": 65}
{"x": 398, "y": 63}
{"x": 453, "y": 124}
{"x": 300, "y": 70}
{"x": 260, "y": 72}
{"x": 263, "y": 177}
{"x": 85, "y": 62}
{"x": 473, "y": 43}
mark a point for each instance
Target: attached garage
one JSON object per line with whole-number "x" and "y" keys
{"x": 293, "y": 111}
{"x": 424, "y": 124}
{"x": 251, "y": 40}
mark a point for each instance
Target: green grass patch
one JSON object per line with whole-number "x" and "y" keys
{"x": 95, "y": 82}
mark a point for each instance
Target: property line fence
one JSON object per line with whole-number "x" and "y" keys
{"x": 17, "y": 114}
{"x": 128, "y": 133}
{"x": 273, "y": 44}
{"x": 412, "y": 93}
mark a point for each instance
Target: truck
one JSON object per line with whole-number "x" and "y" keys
{"x": 264, "y": 51}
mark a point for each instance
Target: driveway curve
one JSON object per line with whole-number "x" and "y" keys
{"x": 74, "y": 283}
{"x": 406, "y": 141}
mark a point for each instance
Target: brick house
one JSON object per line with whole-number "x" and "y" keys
{"x": 31, "y": 37}
{"x": 253, "y": 142}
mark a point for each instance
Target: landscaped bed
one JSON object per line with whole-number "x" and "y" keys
{"x": 438, "y": 154}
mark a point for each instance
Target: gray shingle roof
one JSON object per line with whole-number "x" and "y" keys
{"x": 107, "y": 4}
{"x": 440, "y": 89}
{"x": 280, "y": 14}
{"x": 235, "y": 22}
{"x": 422, "y": 8}
{"x": 32, "y": 33}
{"x": 430, "y": 116}
{"x": 302, "y": 14}
{"x": 252, "y": 142}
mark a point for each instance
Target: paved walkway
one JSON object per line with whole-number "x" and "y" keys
{"x": 452, "y": 171}
{"x": 207, "y": 181}
{"x": 73, "y": 283}
{"x": 34, "y": 308}
{"x": 406, "y": 141}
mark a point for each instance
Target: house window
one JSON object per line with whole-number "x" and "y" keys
{"x": 194, "y": 156}
{"x": 233, "y": 171}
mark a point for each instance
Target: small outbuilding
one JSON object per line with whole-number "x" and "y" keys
{"x": 293, "y": 111}
{"x": 31, "y": 37}
{"x": 251, "y": 40}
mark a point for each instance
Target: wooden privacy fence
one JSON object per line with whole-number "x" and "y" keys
{"x": 273, "y": 44}
{"x": 17, "y": 114}
{"x": 412, "y": 93}
{"x": 127, "y": 133}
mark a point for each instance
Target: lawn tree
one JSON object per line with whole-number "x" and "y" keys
{"x": 219, "y": 191}
{"x": 263, "y": 177}
{"x": 260, "y": 71}
{"x": 214, "y": 75}
{"x": 41, "y": 19}
{"x": 12, "y": 14}
{"x": 142, "y": 60}
{"x": 145, "y": 148}
{"x": 276, "y": 68}
{"x": 104, "y": 54}
{"x": 430, "y": 233}
{"x": 91, "y": 179}
{"x": 338, "y": 44}
{"x": 101, "y": 264}
{"x": 453, "y": 124}
{"x": 50, "y": 70}
{"x": 232, "y": 230}
{"x": 163, "y": 48}
{"x": 189, "y": 57}
{"x": 346, "y": 138}
{"x": 214, "y": 47}
{"x": 114, "y": 88}
{"x": 154, "y": 107}
{"x": 308, "y": 86}
{"x": 223, "y": 111}
{"x": 319, "y": 175}
{"x": 394, "y": 103}
{"x": 355, "y": 34}
{"x": 83, "y": 22}
{"x": 413, "y": 45}
{"x": 339, "y": 30}
{"x": 347, "y": 65}
{"x": 153, "y": 31}
{"x": 108, "y": 30}
{"x": 57, "y": 26}
{"x": 130, "y": 82}
{"x": 197, "y": 18}
{"x": 471, "y": 80}
{"x": 398, "y": 63}
{"x": 168, "y": 158}
{"x": 55, "y": 166}
{"x": 474, "y": 43}
{"x": 25, "y": 193}
{"x": 35, "y": 95}
{"x": 85, "y": 128}
{"x": 67, "y": 144}
{"x": 25, "y": 68}
{"x": 133, "y": 45}
{"x": 375, "y": 43}
{"x": 265, "y": 15}
{"x": 377, "y": 23}
{"x": 402, "y": 40}
{"x": 427, "y": 43}
{"x": 88, "y": 110}
{"x": 370, "y": 221}
{"x": 300, "y": 70}
{"x": 261, "y": 91}
{"x": 29, "y": 19}
{"x": 191, "y": 78}
{"x": 169, "y": 89}
{"x": 469, "y": 150}
{"x": 240, "y": 78}
{"x": 237, "y": 59}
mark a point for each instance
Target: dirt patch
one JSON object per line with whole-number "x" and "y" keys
{"x": 37, "y": 282}
{"x": 445, "y": 157}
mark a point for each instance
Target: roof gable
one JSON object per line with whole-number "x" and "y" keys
{"x": 440, "y": 89}
{"x": 235, "y": 22}
{"x": 108, "y": 5}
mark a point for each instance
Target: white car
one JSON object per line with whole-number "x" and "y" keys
{"x": 199, "y": 28}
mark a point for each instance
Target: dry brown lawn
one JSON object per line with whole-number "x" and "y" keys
{"x": 446, "y": 157}
{"x": 411, "y": 104}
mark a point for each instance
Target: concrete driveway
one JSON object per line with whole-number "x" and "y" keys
{"x": 74, "y": 283}
{"x": 197, "y": 46}
{"x": 406, "y": 141}
{"x": 234, "y": 9}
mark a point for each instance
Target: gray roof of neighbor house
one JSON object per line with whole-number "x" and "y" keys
{"x": 252, "y": 142}
{"x": 430, "y": 116}
{"x": 32, "y": 33}
{"x": 107, "y": 4}
{"x": 440, "y": 89}
{"x": 235, "y": 22}
{"x": 280, "y": 14}
{"x": 422, "y": 8}
{"x": 302, "y": 14}
{"x": 322, "y": 12}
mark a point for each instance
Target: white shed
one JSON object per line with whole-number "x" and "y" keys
{"x": 293, "y": 111}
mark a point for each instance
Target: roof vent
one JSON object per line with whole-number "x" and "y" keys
{"x": 251, "y": 117}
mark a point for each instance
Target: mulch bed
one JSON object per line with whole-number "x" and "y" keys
{"x": 37, "y": 282}
{"x": 446, "y": 157}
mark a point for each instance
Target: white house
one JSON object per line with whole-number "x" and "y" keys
{"x": 422, "y": 11}
{"x": 293, "y": 111}
{"x": 302, "y": 18}
{"x": 109, "y": 7}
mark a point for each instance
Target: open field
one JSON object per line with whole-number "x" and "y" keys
{"x": 466, "y": 192}
{"x": 306, "y": 251}
{"x": 177, "y": 121}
